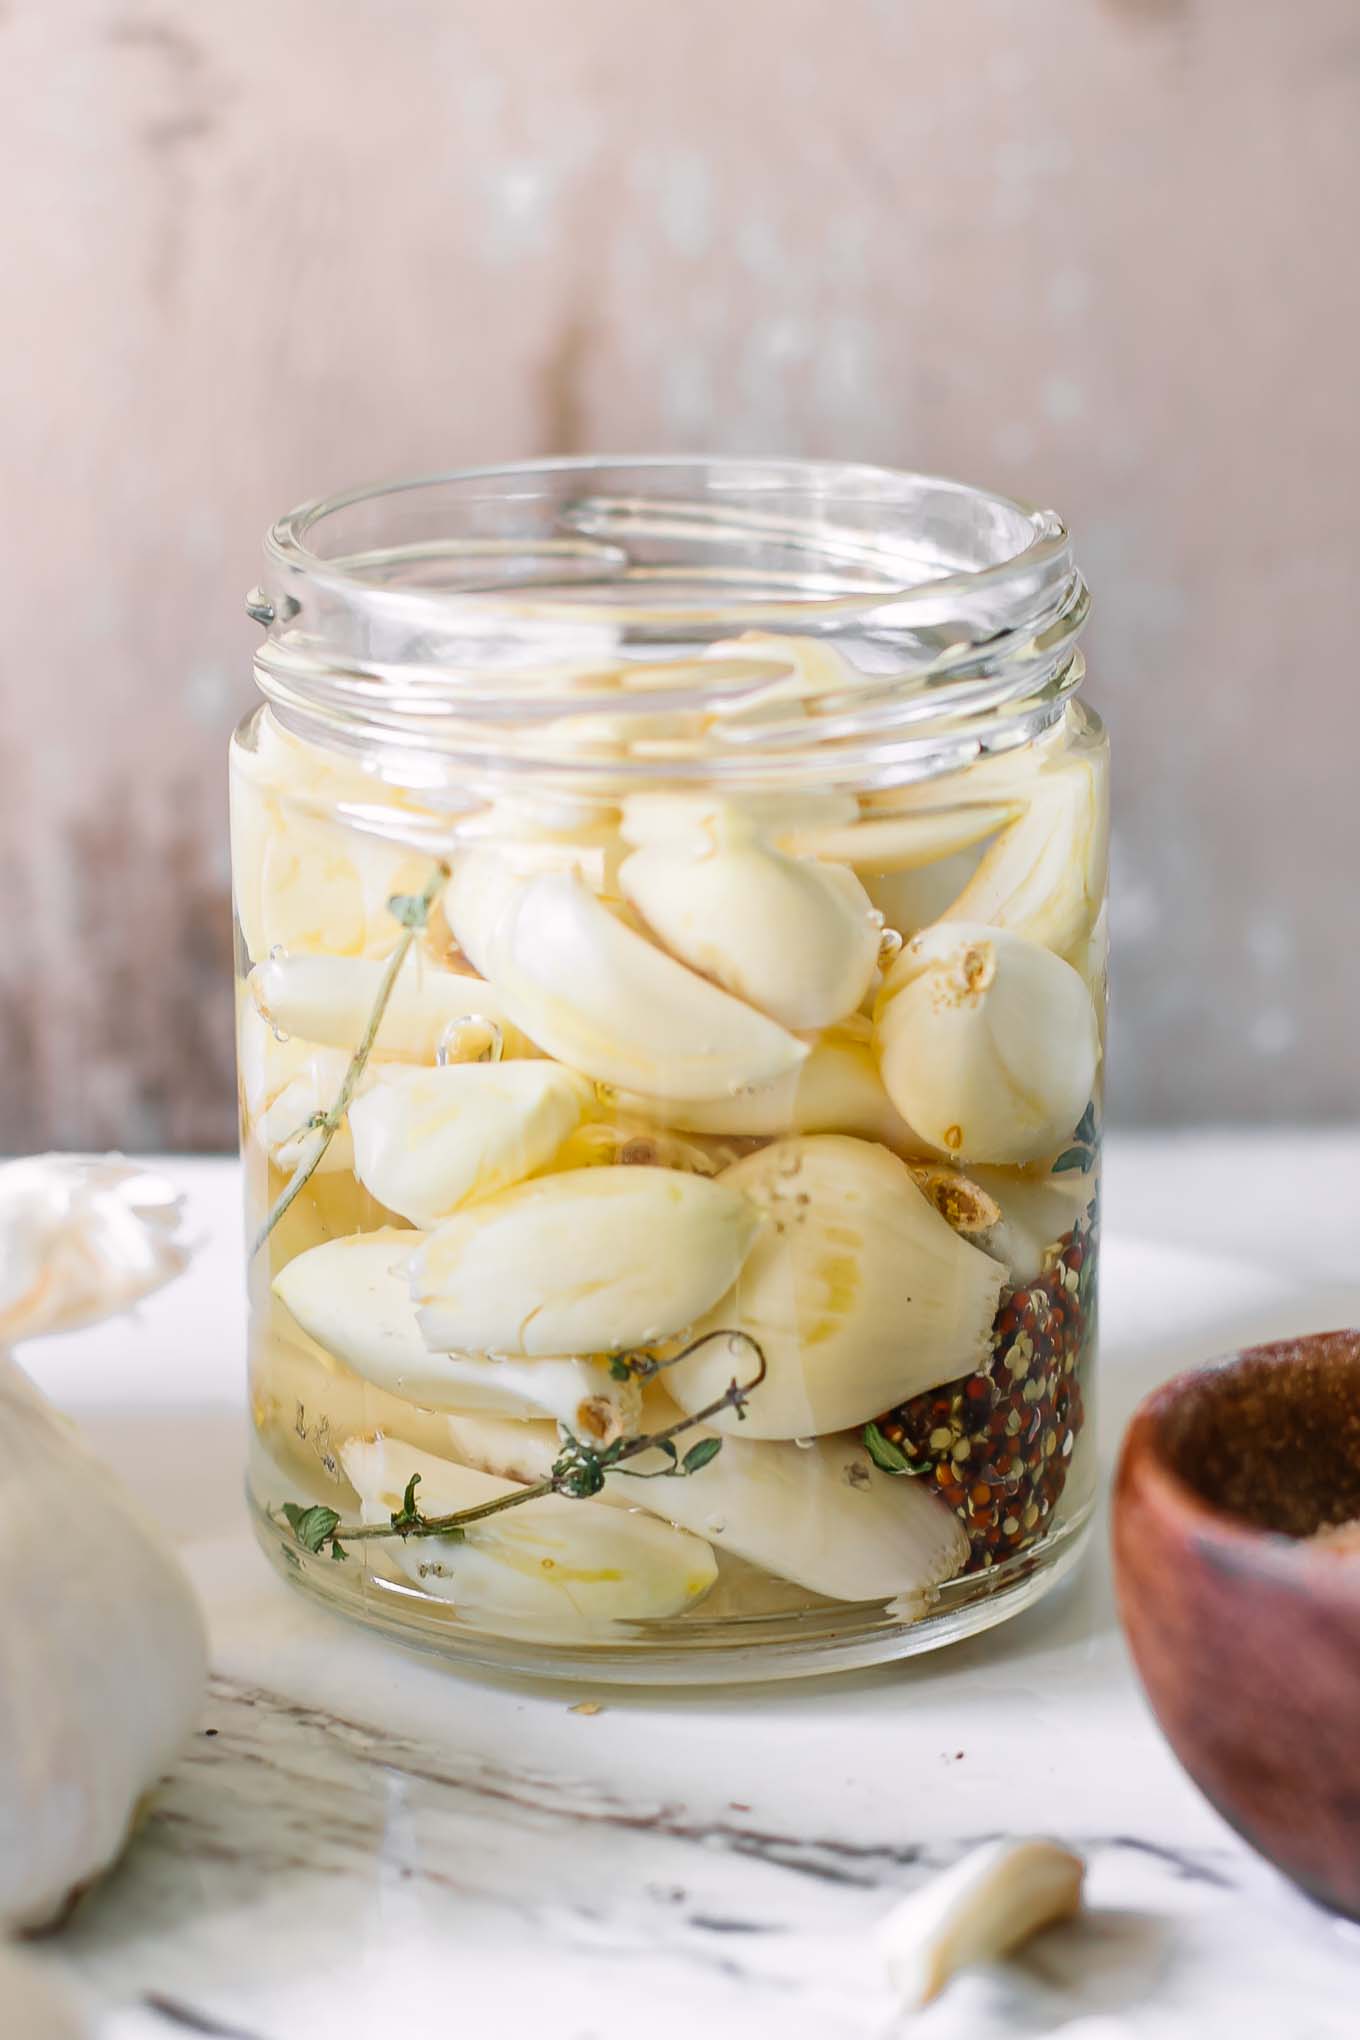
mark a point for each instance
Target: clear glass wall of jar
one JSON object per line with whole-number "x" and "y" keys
{"x": 672, "y": 978}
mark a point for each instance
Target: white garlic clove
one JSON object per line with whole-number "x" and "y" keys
{"x": 556, "y": 1565}
{"x": 696, "y": 823}
{"x": 1035, "y": 1212}
{"x": 593, "y": 1261}
{"x": 987, "y": 1043}
{"x": 1044, "y": 877}
{"x": 857, "y": 1292}
{"x": 980, "y": 1910}
{"x": 328, "y": 1000}
{"x": 793, "y": 937}
{"x": 837, "y": 1090}
{"x": 911, "y": 900}
{"x": 287, "y": 1124}
{"x": 905, "y": 842}
{"x": 306, "y": 879}
{"x": 821, "y": 1515}
{"x": 431, "y": 1140}
{"x": 600, "y": 997}
{"x": 353, "y": 1298}
{"x": 35, "y": 2003}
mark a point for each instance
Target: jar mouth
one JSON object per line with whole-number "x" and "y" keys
{"x": 447, "y": 605}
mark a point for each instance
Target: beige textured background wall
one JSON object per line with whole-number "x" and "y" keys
{"x": 1100, "y": 252}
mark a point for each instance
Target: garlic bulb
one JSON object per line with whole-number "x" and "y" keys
{"x": 353, "y": 1296}
{"x": 857, "y": 1292}
{"x": 305, "y": 880}
{"x": 820, "y": 1515}
{"x": 591, "y": 1261}
{"x": 84, "y": 1731}
{"x": 434, "y": 1139}
{"x": 600, "y": 997}
{"x": 837, "y": 1090}
{"x": 987, "y": 1043}
{"x": 431, "y": 1012}
{"x": 986, "y": 1905}
{"x": 1045, "y": 875}
{"x": 557, "y": 1565}
{"x": 796, "y": 938}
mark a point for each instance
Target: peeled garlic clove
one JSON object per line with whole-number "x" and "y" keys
{"x": 857, "y": 1292}
{"x": 602, "y": 998}
{"x": 821, "y": 1515}
{"x": 594, "y": 1261}
{"x": 353, "y": 1297}
{"x": 330, "y": 999}
{"x": 553, "y": 1564}
{"x": 286, "y": 1126}
{"x": 796, "y": 938}
{"x": 980, "y": 1910}
{"x": 837, "y": 1090}
{"x": 1034, "y": 1213}
{"x": 430, "y": 1140}
{"x": 35, "y": 2003}
{"x": 987, "y": 1043}
{"x": 910, "y": 841}
{"x": 1045, "y": 875}
{"x": 911, "y": 900}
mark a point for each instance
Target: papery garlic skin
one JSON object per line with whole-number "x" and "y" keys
{"x": 797, "y": 939}
{"x": 821, "y": 1514}
{"x": 590, "y": 1261}
{"x": 353, "y": 1297}
{"x": 857, "y": 1293}
{"x": 555, "y": 1565}
{"x": 600, "y": 997}
{"x": 432, "y": 1140}
{"x": 987, "y": 1043}
{"x": 81, "y": 1237}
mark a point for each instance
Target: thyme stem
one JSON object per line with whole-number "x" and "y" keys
{"x": 413, "y": 912}
{"x": 578, "y": 1472}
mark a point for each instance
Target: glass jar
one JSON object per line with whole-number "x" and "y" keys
{"x": 669, "y": 905}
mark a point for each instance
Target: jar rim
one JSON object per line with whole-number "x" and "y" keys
{"x": 428, "y": 606}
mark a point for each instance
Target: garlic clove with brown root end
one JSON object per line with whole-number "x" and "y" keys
{"x": 556, "y": 1565}
{"x": 987, "y": 1043}
{"x": 1033, "y": 1214}
{"x": 84, "y": 1733}
{"x": 431, "y": 1140}
{"x": 818, "y": 1514}
{"x": 1044, "y": 876}
{"x": 793, "y": 937}
{"x": 980, "y": 1910}
{"x": 432, "y": 1013}
{"x": 857, "y": 1293}
{"x": 590, "y": 1261}
{"x": 600, "y": 997}
{"x": 353, "y": 1297}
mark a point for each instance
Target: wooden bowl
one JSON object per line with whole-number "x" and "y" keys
{"x": 1246, "y": 1635}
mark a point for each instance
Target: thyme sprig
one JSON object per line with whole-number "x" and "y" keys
{"x": 578, "y": 1471}
{"x": 412, "y": 910}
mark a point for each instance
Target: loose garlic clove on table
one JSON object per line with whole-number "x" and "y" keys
{"x": 600, "y": 997}
{"x": 980, "y": 1910}
{"x": 427, "y": 1141}
{"x": 590, "y": 1261}
{"x": 797, "y": 939}
{"x": 557, "y": 1564}
{"x": 987, "y": 1043}
{"x": 353, "y": 1297}
{"x": 857, "y": 1292}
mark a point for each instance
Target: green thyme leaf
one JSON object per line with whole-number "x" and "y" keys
{"x": 409, "y": 908}
{"x": 1073, "y": 1158}
{"x": 338, "y": 1550}
{"x": 889, "y": 1458}
{"x": 1086, "y": 1126}
{"x": 313, "y": 1527}
{"x": 699, "y": 1455}
{"x": 620, "y": 1370}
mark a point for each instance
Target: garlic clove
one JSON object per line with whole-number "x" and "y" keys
{"x": 909, "y": 841}
{"x": 911, "y": 900}
{"x": 353, "y": 1298}
{"x": 987, "y": 1043}
{"x": 328, "y": 1000}
{"x": 593, "y": 1261}
{"x": 1044, "y": 877}
{"x": 35, "y": 2002}
{"x": 556, "y": 1565}
{"x": 288, "y": 1122}
{"x": 857, "y": 1292}
{"x": 820, "y": 1515}
{"x": 837, "y": 1090}
{"x": 793, "y": 937}
{"x": 431, "y": 1140}
{"x": 1033, "y": 1214}
{"x": 600, "y": 997}
{"x": 983, "y": 1908}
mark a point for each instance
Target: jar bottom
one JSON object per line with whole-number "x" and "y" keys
{"x": 733, "y": 1649}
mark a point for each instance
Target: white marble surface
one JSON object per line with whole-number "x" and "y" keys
{"x": 361, "y": 1843}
